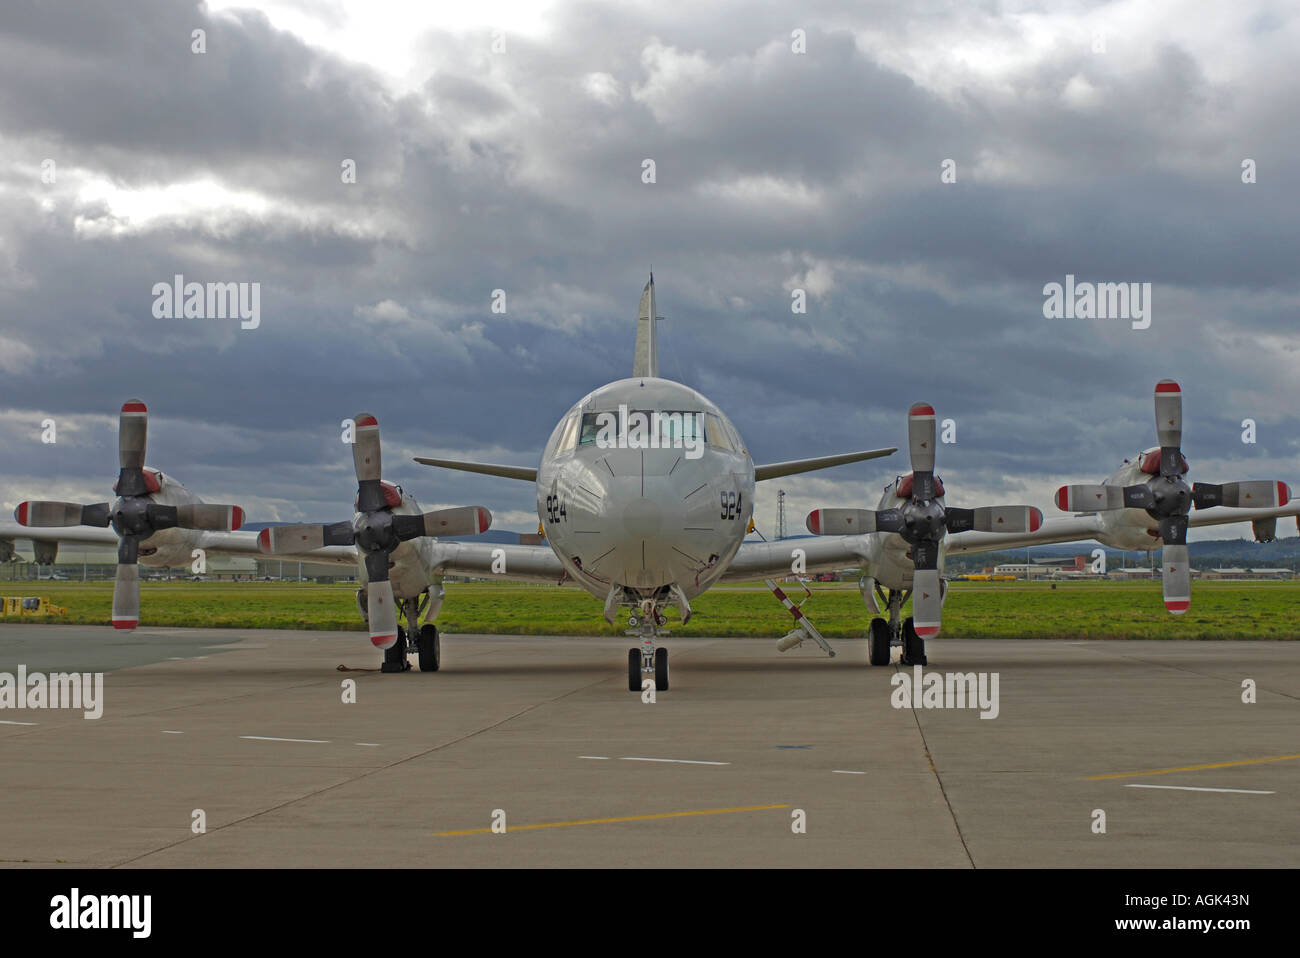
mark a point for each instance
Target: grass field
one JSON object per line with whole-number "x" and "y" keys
{"x": 1018, "y": 610}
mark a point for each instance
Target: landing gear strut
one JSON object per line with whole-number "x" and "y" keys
{"x": 897, "y": 631}
{"x": 647, "y": 660}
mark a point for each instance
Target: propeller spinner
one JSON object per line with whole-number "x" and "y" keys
{"x": 1167, "y": 498}
{"x": 134, "y": 515}
{"x": 923, "y": 521}
{"x": 376, "y": 530}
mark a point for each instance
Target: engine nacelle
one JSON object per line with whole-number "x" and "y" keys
{"x": 46, "y": 552}
{"x": 1265, "y": 529}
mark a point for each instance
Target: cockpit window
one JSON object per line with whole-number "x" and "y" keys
{"x": 568, "y": 434}
{"x": 643, "y": 428}
{"x": 718, "y": 436}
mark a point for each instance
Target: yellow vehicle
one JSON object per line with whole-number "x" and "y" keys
{"x": 30, "y": 605}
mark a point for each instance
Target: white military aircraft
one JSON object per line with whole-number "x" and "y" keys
{"x": 645, "y": 489}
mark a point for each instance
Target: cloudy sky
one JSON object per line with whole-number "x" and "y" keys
{"x": 502, "y": 146}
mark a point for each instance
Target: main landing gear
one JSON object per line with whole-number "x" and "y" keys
{"x": 647, "y": 660}
{"x": 897, "y": 631}
{"x": 426, "y": 641}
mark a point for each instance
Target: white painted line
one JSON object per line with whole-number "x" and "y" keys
{"x": 597, "y": 758}
{"x": 170, "y": 731}
{"x": 677, "y": 761}
{"x": 272, "y": 738}
{"x": 19, "y": 723}
{"x": 368, "y": 744}
{"x": 845, "y": 771}
{"x": 1194, "y": 788}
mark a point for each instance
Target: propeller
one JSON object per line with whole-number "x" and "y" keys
{"x": 923, "y": 521}
{"x": 134, "y": 515}
{"x": 1167, "y": 498}
{"x": 375, "y": 530}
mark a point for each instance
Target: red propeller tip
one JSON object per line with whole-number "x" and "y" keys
{"x": 1035, "y": 519}
{"x": 236, "y": 517}
{"x": 484, "y": 519}
{"x": 21, "y": 513}
{"x": 366, "y": 420}
{"x": 134, "y": 405}
{"x": 921, "y": 409}
{"x": 125, "y": 624}
{"x": 1167, "y": 386}
{"x": 815, "y": 522}
{"x": 927, "y": 631}
{"x": 264, "y": 540}
{"x": 1178, "y": 606}
{"x": 383, "y": 641}
{"x": 1063, "y": 499}
{"x": 1283, "y": 494}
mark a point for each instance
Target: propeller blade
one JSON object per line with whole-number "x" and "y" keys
{"x": 1256, "y": 494}
{"x": 1139, "y": 496}
{"x": 927, "y": 607}
{"x": 461, "y": 521}
{"x": 368, "y": 461}
{"x": 1010, "y": 519}
{"x": 304, "y": 538}
{"x": 381, "y": 608}
{"x": 1089, "y": 498}
{"x": 214, "y": 518}
{"x": 132, "y": 437}
{"x": 126, "y": 585}
{"x": 1176, "y": 577}
{"x": 848, "y": 522}
{"x": 920, "y": 448}
{"x": 1169, "y": 425}
{"x": 37, "y": 514}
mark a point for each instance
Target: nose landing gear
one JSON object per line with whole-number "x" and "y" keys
{"x": 897, "y": 631}
{"x": 647, "y": 660}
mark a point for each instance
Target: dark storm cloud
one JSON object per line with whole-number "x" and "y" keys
{"x": 522, "y": 172}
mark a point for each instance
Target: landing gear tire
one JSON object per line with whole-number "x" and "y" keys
{"x": 879, "y": 642}
{"x": 429, "y": 647}
{"x": 395, "y": 655}
{"x": 661, "y": 670}
{"x": 634, "y": 670}
{"x": 913, "y": 644}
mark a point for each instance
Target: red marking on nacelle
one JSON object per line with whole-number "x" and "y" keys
{"x": 905, "y": 487}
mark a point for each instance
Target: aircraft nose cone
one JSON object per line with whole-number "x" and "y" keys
{"x": 643, "y": 518}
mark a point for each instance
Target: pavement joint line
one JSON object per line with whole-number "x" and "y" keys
{"x": 845, "y": 771}
{"x": 7, "y": 722}
{"x": 596, "y": 758}
{"x": 676, "y": 761}
{"x": 1202, "y": 788}
{"x": 1194, "y": 768}
{"x": 171, "y": 731}
{"x": 363, "y": 774}
{"x": 609, "y": 821}
{"x": 272, "y": 738}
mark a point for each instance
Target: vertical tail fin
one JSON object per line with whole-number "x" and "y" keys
{"x": 647, "y": 341}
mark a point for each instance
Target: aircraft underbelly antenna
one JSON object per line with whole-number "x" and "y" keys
{"x": 647, "y": 341}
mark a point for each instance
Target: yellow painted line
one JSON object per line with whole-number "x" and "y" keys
{"x": 607, "y": 821}
{"x": 1195, "y": 768}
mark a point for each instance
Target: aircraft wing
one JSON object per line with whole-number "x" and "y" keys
{"x": 1220, "y": 515}
{"x": 492, "y": 560}
{"x": 1064, "y": 529}
{"x": 220, "y": 543}
{"x": 759, "y": 560}
{"x": 526, "y": 473}
{"x": 81, "y": 535}
{"x": 791, "y": 467}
